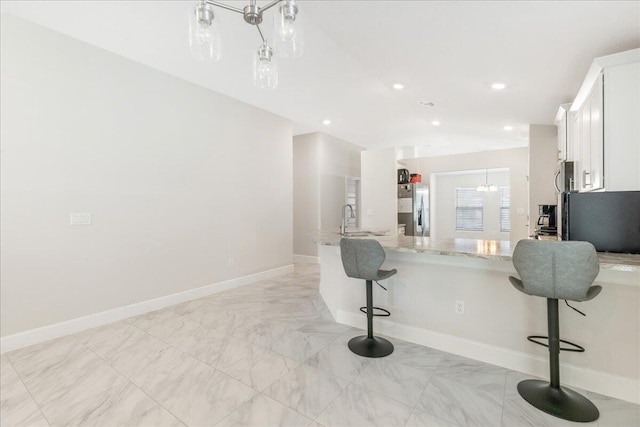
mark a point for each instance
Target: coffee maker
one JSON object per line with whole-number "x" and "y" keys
{"x": 546, "y": 226}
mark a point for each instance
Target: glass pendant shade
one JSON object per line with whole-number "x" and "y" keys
{"x": 265, "y": 68}
{"x": 204, "y": 40}
{"x": 288, "y": 31}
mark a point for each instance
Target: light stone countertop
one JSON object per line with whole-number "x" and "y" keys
{"x": 499, "y": 250}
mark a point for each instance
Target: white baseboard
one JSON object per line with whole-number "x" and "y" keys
{"x": 57, "y": 330}
{"x": 306, "y": 258}
{"x": 588, "y": 379}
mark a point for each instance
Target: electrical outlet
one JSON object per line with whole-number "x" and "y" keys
{"x": 80, "y": 218}
{"x": 459, "y": 307}
{"x": 232, "y": 262}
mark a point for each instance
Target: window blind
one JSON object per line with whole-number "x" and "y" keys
{"x": 352, "y": 199}
{"x": 469, "y": 209}
{"x": 505, "y": 209}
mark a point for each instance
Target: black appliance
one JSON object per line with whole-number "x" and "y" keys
{"x": 564, "y": 181}
{"x": 403, "y": 176}
{"x": 547, "y": 221}
{"x": 565, "y": 177}
{"x": 609, "y": 220}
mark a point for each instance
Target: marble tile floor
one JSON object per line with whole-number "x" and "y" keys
{"x": 266, "y": 354}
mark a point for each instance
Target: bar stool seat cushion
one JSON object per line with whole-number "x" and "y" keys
{"x": 362, "y": 259}
{"x": 559, "y": 270}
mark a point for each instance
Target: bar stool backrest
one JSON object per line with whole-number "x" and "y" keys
{"x": 559, "y": 270}
{"x": 362, "y": 258}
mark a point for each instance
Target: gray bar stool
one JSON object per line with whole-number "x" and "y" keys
{"x": 556, "y": 270}
{"x": 362, "y": 259}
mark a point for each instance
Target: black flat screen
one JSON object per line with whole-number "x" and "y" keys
{"x": 610, "y": 220}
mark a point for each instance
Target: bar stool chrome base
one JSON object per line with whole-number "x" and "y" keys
{"x": 560, "y": 402}
{"x": 370, "y": 347}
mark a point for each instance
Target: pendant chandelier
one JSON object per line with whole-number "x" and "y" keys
{"x": 486, "y": 186}
{"x": 288, "y": 40}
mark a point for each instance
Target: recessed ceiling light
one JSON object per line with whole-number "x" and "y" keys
{"x": 508, "y": 128}
{"x": 435, "y": 123}
{"x": 498, "y": 86}
{"x": 326, "y": 122}
{"x": 398, "y": 86}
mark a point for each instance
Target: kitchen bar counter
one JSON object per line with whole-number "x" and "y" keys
{"x": 434, "y": 275}
{"x": 499, "y": 250}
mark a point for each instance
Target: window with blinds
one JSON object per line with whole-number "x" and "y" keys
{"x": 469, "y": 209}
{"x": 505, "y": 209}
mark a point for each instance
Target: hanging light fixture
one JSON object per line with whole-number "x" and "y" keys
{"x": 288, "y": 35}
{"x": 486, "y": 186}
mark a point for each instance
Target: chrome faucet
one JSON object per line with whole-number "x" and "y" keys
{"x": 343, "y": 225}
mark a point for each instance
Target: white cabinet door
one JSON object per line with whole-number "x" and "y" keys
{"x": 576, "y": 137}
{"x": 562, "y": 138}
{"x": 622, "y": 127}
{"x": 563, "y": 121}
{"x": 596, "y": 138}
{"x": 585, "y": 145}
{"x": 591, "y": 142}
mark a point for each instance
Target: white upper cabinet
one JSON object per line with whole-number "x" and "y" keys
{"x": 562, "y": 121}
{"x": 603, "y": 125}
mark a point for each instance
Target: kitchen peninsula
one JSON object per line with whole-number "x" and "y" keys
{"x": 435, "y": 276}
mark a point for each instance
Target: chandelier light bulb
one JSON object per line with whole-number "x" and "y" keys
{"x": 265, "y": 68}
{"x": 288, "y": 31}
{"x": 204, "y": 40}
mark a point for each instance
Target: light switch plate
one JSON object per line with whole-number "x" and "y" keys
{"x": 80, "y": 218}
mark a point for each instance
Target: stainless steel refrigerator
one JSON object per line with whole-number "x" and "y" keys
{"x": 413, "y": 208}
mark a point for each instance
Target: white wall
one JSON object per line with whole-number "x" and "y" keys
{"x": 445, "y": 205}
{"x": 177, "y": 178}
{"x": 321, "y": 164}
{"x": 379, "y": 190}
{"x": 306, "y": 192}
{"x": 543, "y": 161}
{"x": 514, "y": 159}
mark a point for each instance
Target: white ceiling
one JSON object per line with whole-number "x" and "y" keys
{"x": 445, "y": 52}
